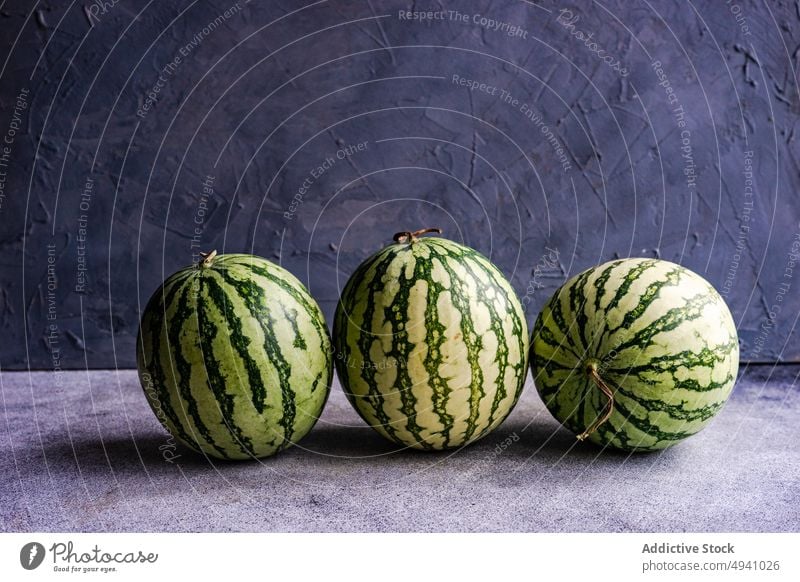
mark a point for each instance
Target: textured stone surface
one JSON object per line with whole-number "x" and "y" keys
{"x": 82, "y": 451}
{"x": 261, "y": 98}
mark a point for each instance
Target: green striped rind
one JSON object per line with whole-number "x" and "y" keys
{"x": 235, "y": 359}
{"x": 431, "y": 344}
{"x": 662, "y": 338}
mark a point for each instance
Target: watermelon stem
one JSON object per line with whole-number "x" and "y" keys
{"x": 411, "y": 237}
{"x": 591, "y": 371}
{"x": 207, "y": 259}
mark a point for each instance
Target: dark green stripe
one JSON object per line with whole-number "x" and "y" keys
{"x": 299, "y": 294}
{"x": 650, "y": 295}
{"x": 577, "y": 306}
{"x": 550, "y": 365}
{"x": 673, "y": 363}
{"x": 675, "y": 411}
{"x": 544, "y": 334}
{"x": 397, "y": 314}
{"x": 673, "y": 318}
{"x": 291, "y": 316}
{"x": 153, "y": 325}
{"x": 253, "y": 296}
{"x": 183, "y": 313}
{"x": 216, "y": 381}
{"x": 239, "y": 340}
{"x": 487, "y": 277}
{"x": 609, "y": 430}
{"x": 600, "y": 284}
{"x": 435, "y": 338}
{"x": 459, "y": 292}
{"x": 557, "y": 313}
{"x": 633, "y": 274}
{"x": 353, "y": 290}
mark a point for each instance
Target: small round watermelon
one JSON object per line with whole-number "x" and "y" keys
{"x": 636, "y": 354}
{"x": 234, "y": 357}
{"x": 431, "y": 343}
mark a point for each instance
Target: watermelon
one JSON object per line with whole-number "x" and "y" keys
{"x": 636, "y": 354}
{"x": 234, "y": 357}
{"x": 431, "y": 343}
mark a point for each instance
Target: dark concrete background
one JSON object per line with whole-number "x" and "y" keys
{"x": 262, "y": 97}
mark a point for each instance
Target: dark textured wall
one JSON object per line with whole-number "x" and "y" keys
{"x": 135, "y": 134}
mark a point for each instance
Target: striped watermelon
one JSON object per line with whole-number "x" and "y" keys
{"x": 636, "y": 354}
{"x": 431, "y": 343}
{"x": 234, "y": 357}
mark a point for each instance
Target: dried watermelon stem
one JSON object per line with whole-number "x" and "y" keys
{"x": 207, "y": 259}
{"x": 411, "y": 237}
{"x": 592, "y": 372}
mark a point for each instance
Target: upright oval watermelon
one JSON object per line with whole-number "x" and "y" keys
{"x": 234, "y": 357}
{"x": 637, "y": 354}
{"x": 431, "y": 343}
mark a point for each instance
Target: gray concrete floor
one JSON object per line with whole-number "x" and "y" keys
{"x": 83, "y": 452}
